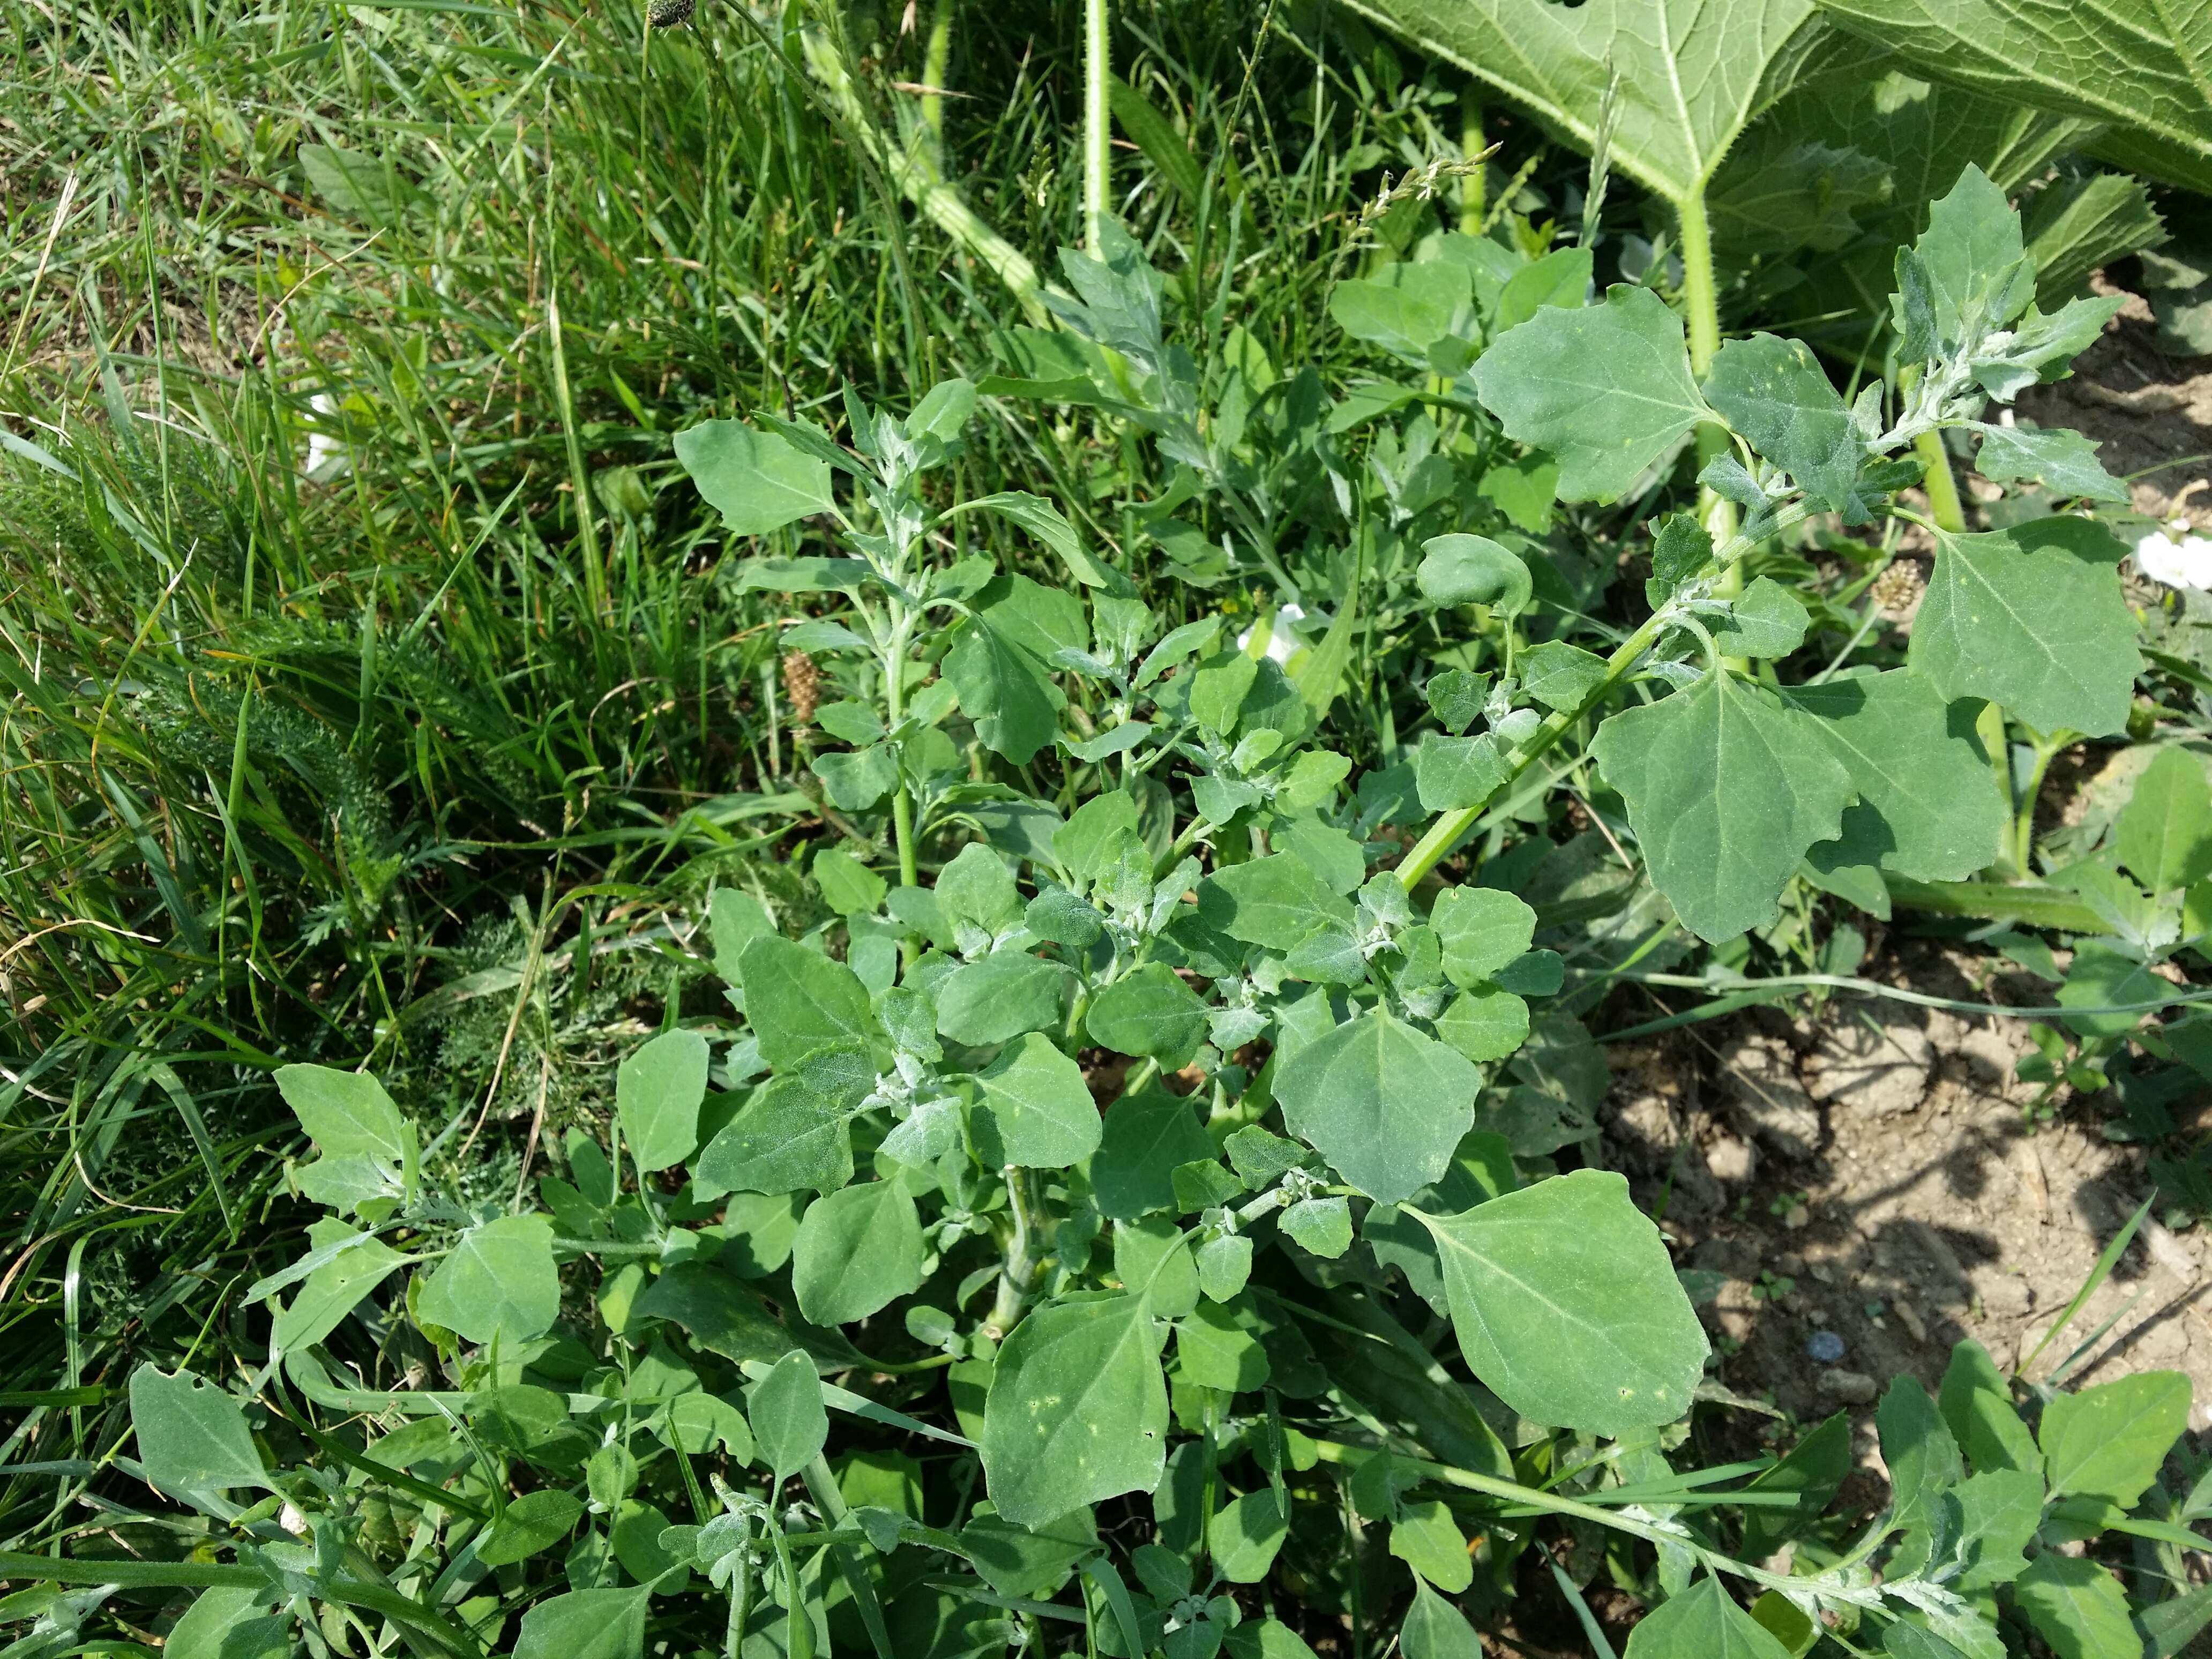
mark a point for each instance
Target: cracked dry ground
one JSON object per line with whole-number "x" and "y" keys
{"x": 1873, "y": 1174}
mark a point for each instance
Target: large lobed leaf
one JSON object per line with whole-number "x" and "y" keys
{"x": 2143, "y": 65}
{"x": 1691, "y": 73}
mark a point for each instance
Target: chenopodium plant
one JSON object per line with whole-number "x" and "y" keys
{"x": 1180, "y": 1301}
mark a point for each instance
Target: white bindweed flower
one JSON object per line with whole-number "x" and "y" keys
{"x": 1281, "y": 641}
{"x": 2177, "y": 559}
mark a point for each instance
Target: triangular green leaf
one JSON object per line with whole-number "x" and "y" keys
{"x": 1727, "y": 786}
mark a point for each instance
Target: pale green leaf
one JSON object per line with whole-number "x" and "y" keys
{"x": 1919, "y": 768}
{"x": 1979, "y": 1407}
{"x": 1766, "y": 620}
{"x": 858, "y": 1250}
{"x": 1459, "y": 569}
{"x": 1000, "y": 997}
{"x": 1922, "y": 1457}
{"x": 2032, "y": 618}
{"x": 2140, "y": 69}
{"x": 591, "y": 1624}
{"x": 799, "y": 1000}
{"x": 791, "y": 1423}
{"x": 497, "y": 1281}
{"x": 1703, "y": 1622}
{"x": 2065, "y": 463}
{"x": 232, "y": 1622}
{"x": 1689, "y": 75}
{"x": 1992, "y": 1516}
{"x": 1077, "y": 1409}
{"x": 1434, "y": 1629}
{"x": 1566, "y": 1304}
{"x": 1384, "y": 1103}
{"x": 345, "y": 1114}
{"x": 791, "y": 1135}
{"x": 1558, "y": 675}
{"x": 1605, "y": 389}
{"x": 1481, "y": 930}
{"x": 658, "y": 1091}
{"x": 1247, "y": 1535}
{"x": 1149, "y": 1012}
{"x": 1049, "y": 526}
{"x": 2108, "y": 1442}
{"x": 1485, "y": 1023}
{"x": 1776, "y": 394}
{"x": 1727, "y": 786}
{"x": 757, "y": 481}
{"x": 192, "y": 1435}
{"x": 536, "y": 1521}
{"x": 1275, "y": 902}
{"x": 1451, "y": 772}
{"x": 2165, "y": 831}
{"x": 2077, "y": 1606}
{"x": 1406, "y": 308}
{"x": 333, "y": 1290}
{"x": 1033, "y": 1108}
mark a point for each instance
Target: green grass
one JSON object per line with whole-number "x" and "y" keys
{"x": 429, "y": 759}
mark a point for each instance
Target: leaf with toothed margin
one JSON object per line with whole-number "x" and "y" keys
{"x": 1727, "y": 786}
{"x": 1566, "y": 1304}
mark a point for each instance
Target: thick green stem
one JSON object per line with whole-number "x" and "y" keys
{"x": 937, "y": 60}
{"x": 1097, "y": 71}
{"x": 914, "y": 171}
{"x": 1019, "y": 1276}
{"x": 1943, "y": 503}
{"x": 895, "y": 709}
{"x": 1701, "y": 301}
{"x": 1471, "y": 194}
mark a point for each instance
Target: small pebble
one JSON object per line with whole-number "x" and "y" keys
{"x": 1825, "y": 1346}
{"x": 1852, "y": 1388}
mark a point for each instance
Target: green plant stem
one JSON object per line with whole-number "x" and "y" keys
{"x": 1471, "y": 183}
{"x": 1018, "y": 1277}
{"x": 1097, "y": 135}
{"x": 1701, "y": 301}
{"x": 936, "y": 63}
{"x": 914, "y": 171}
{"x": 894, "y": 652}
{"x": 1450, "y": 826}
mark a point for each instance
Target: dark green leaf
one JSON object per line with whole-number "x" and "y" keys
{"x": 1918, "y": 766}
{"x": 1145, "y": 1137}
{"x": 534, "y": 1522}
{"x": 592, "y": 1624}
{"x": 1460, "y": 569}
{"x": 1766, "y": 620}
{"x": 1481, "y": 929}
{"x": 2077, "y": 1606}
{"x": 1922, "y": 1458}
{"x": 1978, "y": 1408}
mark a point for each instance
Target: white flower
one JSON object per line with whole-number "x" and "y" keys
{"x": 2187, "y": 563}
{"x": 326, "y": 456}
{"x": 1281, "y": 641}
